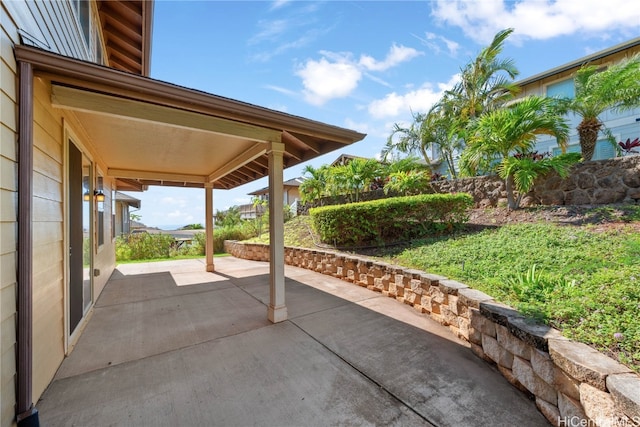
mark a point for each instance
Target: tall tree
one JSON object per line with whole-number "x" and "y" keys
{"x": 511, "y": 130}
{"x": 486, "y": 82}
{"x": 596, "y": 91}
{"x": 408, "y": 140}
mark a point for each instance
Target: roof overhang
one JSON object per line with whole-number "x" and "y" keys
{"x": 126, "y": 27}
{"x": 148, "y": 132}
{"x": 628, "y": 45}
{"x": 127, "y": 200}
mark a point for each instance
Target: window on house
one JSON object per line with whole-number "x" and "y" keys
{"x": 82, "y": 9}
{"x": 604, "y": 150}
{"x": 561, "y": 89}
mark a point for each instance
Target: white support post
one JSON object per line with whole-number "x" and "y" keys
{"x": 277, "y": 311}
{"x": 208, "y": 197}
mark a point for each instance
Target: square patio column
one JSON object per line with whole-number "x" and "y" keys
{"x": 277, "y": 311}
{"x": 208, "y": 200}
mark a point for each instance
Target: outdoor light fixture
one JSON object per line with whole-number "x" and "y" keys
{"x": 99, "y": 195}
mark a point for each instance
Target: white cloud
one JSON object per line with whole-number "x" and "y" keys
{"x": 419, "y": 100}
{"x": 277, "y": 4}
{"x": 397, "y": 54}
{"x": 270, "y": 30}
{"x": 433, "y": 42}
{"x": 324, "y": 80}
{"x": 337, "y": 74}
{"x": 535, "y": 19}
{"x": 168, "y": 200}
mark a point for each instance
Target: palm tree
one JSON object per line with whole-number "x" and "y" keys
{"x": 314, "y": 185}
{"x": 616, "y": 88}
{"x": 356, "y": 176}
{"x": 513, "y": 129}
{"x": 410, "y": 140}
{"x": 486, "y": 82}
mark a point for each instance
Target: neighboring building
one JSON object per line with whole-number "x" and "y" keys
{"x": 559, "y": 82}
{"x": 291, "y": 196}
{"x": 290, "y": 190}
{"x": 345, "y": 159}
{"x": 76, "y": 103}
{"x": 122, "y": 223}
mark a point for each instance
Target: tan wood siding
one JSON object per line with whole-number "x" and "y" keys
{"x": 48, "y": 240}
{"x": 8, "y": 389}
{"x": 105, "y": 259}
{"x": 8, "y": 213}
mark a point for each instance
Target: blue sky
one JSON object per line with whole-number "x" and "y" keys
{"x": 362, "y": 65}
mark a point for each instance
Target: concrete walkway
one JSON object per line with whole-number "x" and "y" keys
{"x": 171, "y": 345}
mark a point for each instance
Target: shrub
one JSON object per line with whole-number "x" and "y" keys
{"x": 143, "y": 246}
{"x": 390, "y": 220}
{"x": 239, "y": 232}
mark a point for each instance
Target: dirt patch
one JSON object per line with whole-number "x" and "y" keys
{"x": 603, "y": 217}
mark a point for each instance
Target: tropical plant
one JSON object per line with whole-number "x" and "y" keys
{"x": 228, "y": 218}
{"x": 408, "y": 140}
{"x": 629, "y": 145}
{"x": 408, "y": 183}
{"x": 486, "y": 82}
{"x": 525, "y": 169}
{"x": 511, "y": 130}
{"x": 356, "y": 176}
{"x": 314, "y": 185}
{"x": 405, "y": 164}
{"x": 596, "y": 91}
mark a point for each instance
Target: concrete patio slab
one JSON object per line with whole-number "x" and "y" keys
{"x": 275, "y": 376}
{"x": 205, "y": 354}
{"x": 441, "y": 380}
{"x": 129, "y": 331}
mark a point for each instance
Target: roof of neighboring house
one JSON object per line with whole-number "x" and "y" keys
{"x": 149, "y": 132}
{"x": 343, "y": 159}
{"x": 129, "y": 200}
{"x": 581, "y": 61}
{"x": 291, "y": 183}
{"x": 126, "y": 27}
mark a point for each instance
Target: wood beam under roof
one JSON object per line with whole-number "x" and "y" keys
{"x": 158, "y": 176}
{"x": 248, "y": 156}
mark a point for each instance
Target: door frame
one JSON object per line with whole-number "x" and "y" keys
{"x": 70, "y": 339}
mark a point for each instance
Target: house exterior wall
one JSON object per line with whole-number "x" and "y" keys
{"x": 623, "y": 125}
{"x": 51, "y": 126}
{"x": 53, "y": 26}
{"x": 8, "y": 214}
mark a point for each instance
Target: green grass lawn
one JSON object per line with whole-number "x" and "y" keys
{"x": 580, "y": 280}
{"x": 583, "y": 280}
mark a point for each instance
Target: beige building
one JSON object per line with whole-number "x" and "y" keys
{"x": 76, "y": 101}
{"x": 558, "y": 81}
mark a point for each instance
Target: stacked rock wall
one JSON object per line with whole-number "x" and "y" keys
{"x": 590, "y": 183}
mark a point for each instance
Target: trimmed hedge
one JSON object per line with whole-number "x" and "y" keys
{"x": 396, "y": 219}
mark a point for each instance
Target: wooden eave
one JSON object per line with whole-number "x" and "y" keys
{"x": 126, "y": 28}
{"x": 192, "y": 126}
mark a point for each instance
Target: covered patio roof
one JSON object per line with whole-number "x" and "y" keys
{"x": 150, "y": 132}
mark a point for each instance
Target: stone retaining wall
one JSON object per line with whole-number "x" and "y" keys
{"x": 596, "y": 182}
{"x": 572, "y": 384}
